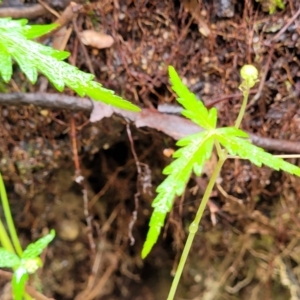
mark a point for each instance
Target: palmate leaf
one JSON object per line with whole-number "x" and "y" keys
{"x": 5, "y": 64}
{"x": 196, "y": 151}
{"x": 35, "y": 249}
{"x": 8, "y": 259}
{"x": 33, "y": 32}
{"x": 235, "y": 145}
{"x": 194, "y": 108}
{"x": 33, "y": 57}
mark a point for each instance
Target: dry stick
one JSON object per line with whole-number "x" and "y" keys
{"x": 81, "y": 181}
{"x": 263, "y": 78}
{"x": 74, "y": 146}
{"x": 92, "y": 277}
{"x": 29, "y": 289}
{"x": 286, "y": 26}
{"x": 92, "y": 280}
{"x": 83, "y": 48}
{"x": 137, "y": 194}
{"x": 293, "y": 12}
{"x": 107, "y": 274}
{"x": 25, "y": 11}
{"x": 174, "y": 126}
{"x": 53, "y": 12}
{"x": 69, "y": 14}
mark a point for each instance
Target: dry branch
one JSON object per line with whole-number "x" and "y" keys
{"x": 174, "y": 126}
{"x": 26, "y": 11}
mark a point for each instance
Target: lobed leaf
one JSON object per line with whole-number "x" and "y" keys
{"x": 33, "y": 57}
{"x": 194, "y": 108}
{"x": 197, "y": 149}
{"x": 8, "y": 259}
{"x": 246, "y": 150}
{"x": 5, "y": 64}
{"x": 32, "y": 32}
{"x": 155, "y": 225}
{"x": 35, "y": 249}
{"x": 98, "y": 93}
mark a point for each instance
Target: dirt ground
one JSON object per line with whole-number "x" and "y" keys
{"x": 248, "y": 245}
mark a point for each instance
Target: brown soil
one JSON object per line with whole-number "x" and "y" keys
{"x": 251, "y": 249}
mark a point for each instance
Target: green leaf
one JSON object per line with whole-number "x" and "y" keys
{"x": 5, "y": 64}
{"x": 98, "y": 93}
{"x": 35, "y": 249}
{"x": 245, "y": 149}
{"x": 231, "y": 131}
{"x": 194, "y": 108}
{"x": 8, "y": 259}
{"x": 33, "y": 57}
{"x": 156, "y": 223}
{"x": 26, "y": 66}
{"x": 35, "y": 31}
{"x": 197, "y": 149}
{"x": 20, "y": 277}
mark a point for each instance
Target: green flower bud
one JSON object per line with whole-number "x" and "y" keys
{"x": 32, "y": 264}
{"x": 250, "y": 75}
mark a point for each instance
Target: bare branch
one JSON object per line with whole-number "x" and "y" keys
{"x": 25, "y": 11}
{"x": 174, "y": 126}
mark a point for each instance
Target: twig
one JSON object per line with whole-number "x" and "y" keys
{"x": 286, "y": 26}
{"x": 81, "y": 181}
{"x": 47, "y": 100}
{"x": 174, "y": 126}
{"x": 83, "y": 48}
{"x": 263, "y": 78}
{"x": 93, "y": 293}
{"x": 70, "y": 13}
{"x": 25, "y": 11}
{"x": 53, "y": 12}
{"x": 74, "y": 146}
{"x": 137, "y": 194}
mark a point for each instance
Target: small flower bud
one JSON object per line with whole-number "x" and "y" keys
{"x": 32, "y": 264}
{"x": 250, "y": 75}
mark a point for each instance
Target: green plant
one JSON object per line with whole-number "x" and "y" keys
{"x": 271, "y": 5}
{"x": 195, "y": 150}
{"x": 32, "y": 57}
{"x": 22, "y": 263}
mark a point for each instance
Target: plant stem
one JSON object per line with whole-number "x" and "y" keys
{"x": 243, "y": 108}
{"x": 195, "y": 224}
{"x": 8, "y": 218}
{"x": 5, "y": 240}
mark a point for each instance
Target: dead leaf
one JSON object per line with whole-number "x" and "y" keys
{"x": 100, "y": 111}
{"x": 96, "y": 39}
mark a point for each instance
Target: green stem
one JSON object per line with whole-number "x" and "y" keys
{"x": 8, "y": 218}
{"x": 5, "y": 240}
{"x": 195, "y": 225}
{"x": 243, "y": 108}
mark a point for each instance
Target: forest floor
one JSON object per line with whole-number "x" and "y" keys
{"x": 248, "y": 245}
